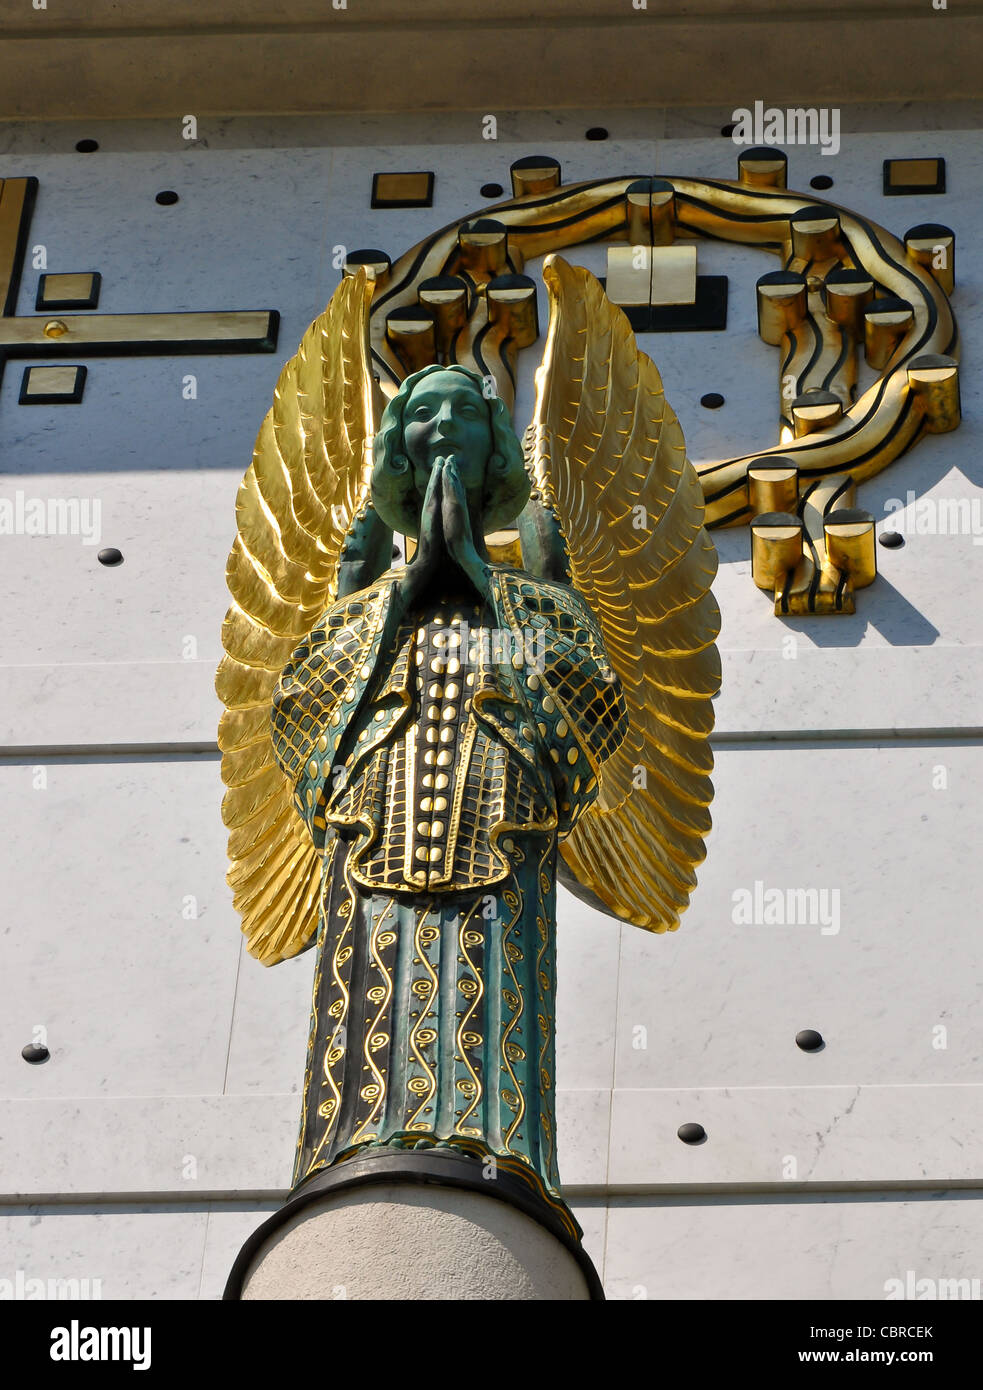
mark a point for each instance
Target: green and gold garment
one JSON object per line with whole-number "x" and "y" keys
{"x": 437, "y": 758}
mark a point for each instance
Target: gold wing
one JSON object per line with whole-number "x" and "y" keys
{"x": 307, "y": 482}
{"x": 608, "y": 457}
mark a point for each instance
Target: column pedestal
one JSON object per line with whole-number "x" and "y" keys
{"x": 413, "y": 1225}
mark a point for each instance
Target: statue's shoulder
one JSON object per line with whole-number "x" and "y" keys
{"x": 545, "y": 596}
{"x": 367, "y": 603}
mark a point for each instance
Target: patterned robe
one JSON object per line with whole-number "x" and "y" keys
{"x": 437, "y": 759}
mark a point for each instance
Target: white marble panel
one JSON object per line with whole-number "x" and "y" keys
{"x": 823, "y": 692}
{"x": 129, "y": 1251}
{"x": 817, "y": 1246}
{"x": 884, "y": 953}
{"x": 853, "y": 1135}
{"x": 268, "y": 1038}
{"x": 342, "y": 129}
{"x": 104, "y": 864}
{"x": 199, "y": 1146}
{"x": 583, "y": 1135}
{"x": 592, "y": 1213}
{"x": 588, "y": 953}
{"x": 186, "y": 1148}
{"x": 820, "y": 1247}
{"x": 337, "y": 130}
{"x": 148, "y": 706}
{"x": 165, "y": 602}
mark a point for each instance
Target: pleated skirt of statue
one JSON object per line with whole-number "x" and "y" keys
{"x": 433, "y": 1023}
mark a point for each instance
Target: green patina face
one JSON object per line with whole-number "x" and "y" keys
{"x": 446, "y": 417}
{"x": 442, "y": 412}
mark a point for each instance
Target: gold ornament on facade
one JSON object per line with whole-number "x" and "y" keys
{"x": 846, "y": 286}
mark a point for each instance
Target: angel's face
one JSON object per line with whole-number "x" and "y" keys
{"x": 446, "y": 416}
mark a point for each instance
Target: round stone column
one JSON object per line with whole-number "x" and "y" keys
{"x": 413, "y": 1225}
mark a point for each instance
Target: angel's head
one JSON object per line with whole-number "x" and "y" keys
{"x": 442, "y": 412}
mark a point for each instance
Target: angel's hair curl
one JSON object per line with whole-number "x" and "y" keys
{"x": 394, "y": 495}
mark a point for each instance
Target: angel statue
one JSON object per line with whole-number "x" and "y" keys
{"x": 413, "y": 753}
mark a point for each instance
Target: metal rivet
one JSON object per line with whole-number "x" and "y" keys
{"x": 596, "y": 132}
{"x": 492, "y": 190}
{"x": 167, "y": 198}
{"x": 713, "y": 400}
{"x": 892, "y": 539}
{"x": 35, "y": 1053}
{"x": 809, "y": 1040}
{"x": 821, "y": 181}
{"x": 55, "y": 328}
{"x": 110, "y": 556}
{"x": 87, "y": 146}
{"x": 691, "y": 1133}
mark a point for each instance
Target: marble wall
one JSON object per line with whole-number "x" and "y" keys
{"x": 161, "y": 1130}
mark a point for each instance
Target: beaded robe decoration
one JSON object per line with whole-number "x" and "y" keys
{"x": 444, "y": 769}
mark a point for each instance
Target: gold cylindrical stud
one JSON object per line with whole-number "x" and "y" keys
{"x": 55, "y": 328}
{"x": 512, "y": 308}
{"x": 849, "y": 538}
{"x": 411, "y": 332}
{"x": 886, "y": 321}
{"x": 847, "y": 294}
{"x": 446, "y": 296}
{"x": 376, "y": 264}
{"x": 933, "y": 246}
{"x": 484, "y": 248}
{"x": 782, "y": 304}
{"x": 536, "y": 173}
{"x": 815, "y": 234}
{"x": 650, "y": 211}
{"x": 935, "y": 381}
{"x": 638, "y": 212}
{"x": 776, "y": 547}
{"x": 772, "y": 485}
{"x": 815, "y": 410}
{"x": 763, "y": 167}
{"x": 663, "y": 202}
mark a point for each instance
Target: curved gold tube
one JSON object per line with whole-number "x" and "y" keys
{"x": 873, "y": 430}
{"x": 773, "y": 486}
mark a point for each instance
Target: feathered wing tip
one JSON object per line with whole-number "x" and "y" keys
{"x": 607, "y": 455}
{"x": 307, "y": 482}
